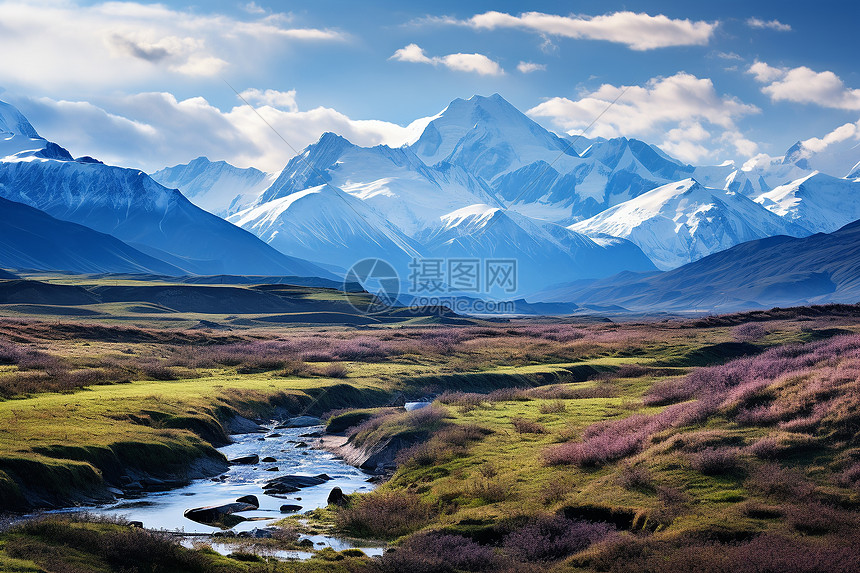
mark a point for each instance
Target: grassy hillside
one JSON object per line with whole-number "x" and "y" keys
{"x": 749, "y": 466}
{"x": 569, "y": 444}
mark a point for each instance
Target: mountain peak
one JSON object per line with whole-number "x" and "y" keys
{"x": 489, "y": 122}
{"x": 13, "y": 122}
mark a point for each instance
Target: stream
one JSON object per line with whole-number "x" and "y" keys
{"x": 294, "y": 455}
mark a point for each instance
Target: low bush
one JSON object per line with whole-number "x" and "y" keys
{"x": 335, "y": 370}
{"x": 715, "y": 461}
{"x": 437, "y": 552}
{"x": 767, "y": 552}
{"x": 553, "y": 407}
{"x": 773, "y": 481}
{"x": 749, "y": 332}
{"x": 58, "y": 542}
{"x": 850, "y": 476}
{"x": 384, "y": 515}
{"x": 779, "y": 445}
{"x": 550, "y": 538}
{"x": 523, "y": 426}
{"x": 633, "y": 477}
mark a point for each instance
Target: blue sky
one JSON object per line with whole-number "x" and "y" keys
{"x": 143, "y": 85}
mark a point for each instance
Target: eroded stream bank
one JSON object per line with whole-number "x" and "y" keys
{"x": 280, "y": 452}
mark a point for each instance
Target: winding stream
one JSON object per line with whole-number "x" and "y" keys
{"x": 295, "y": 454}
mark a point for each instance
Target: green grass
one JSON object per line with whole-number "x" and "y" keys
{"x": 62, "y": 447}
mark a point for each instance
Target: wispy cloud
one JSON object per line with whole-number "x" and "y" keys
{"x": 804, "y": 85}
{"x": 639, "y": 31}
{"x": 727, "y": 56}
{"x": 152, "y": 130}
{"x": 477, "y": 63}
{"x": 529, "y": 67}
{"x": 122, "y": 44}
{"x": 768, "y": 24}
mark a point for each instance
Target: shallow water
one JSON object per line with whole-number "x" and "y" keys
{"x": 164, "y": 510}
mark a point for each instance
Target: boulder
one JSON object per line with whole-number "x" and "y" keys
{"x": 303, "y": 422}
{"x": 292, "y": 483}
{"x": 250, "y": 500}
{"x": 245, "y": 460}
{"x": 274, "y": 435}
{"x": 269, "y": 459}
{"x": 336, "y": 497}
{"x": 290, "y": 508}
{"x": 219, "y": 515}
{"x": 240, "y": 425}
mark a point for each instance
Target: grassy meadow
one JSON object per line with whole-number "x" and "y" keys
{"x": 711, "y": 444}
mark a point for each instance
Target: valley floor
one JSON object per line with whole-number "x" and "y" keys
{"x": 713, "y": 444}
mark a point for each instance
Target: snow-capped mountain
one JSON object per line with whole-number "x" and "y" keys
{"x": 841, "y": 158}
{"x": 534, "y": 171}
{"x": 775, "y": 271}
{"x": 327, "y": 225}
{"x": 394, "y": 182}
{"x": 545, "y": 252}
{"x": 129, "y": 205}
{"x": 19, "y": 139}
{"x": 819, "y": 202}
{"x": 684, "y": 221}
{"x": 216, "y": 186}
{"x": 338, "y": 203}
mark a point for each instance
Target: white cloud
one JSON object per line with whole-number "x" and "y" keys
{"x": 153, "y": 130}
{"x": 673, "y": 111}
{"x": 412, "y": 53}
{"x": 744, "y": 146}
{"x": 637, "y": 31}
{"x": 63, "y": 45}
{"x": 529, "y": 67}
{"x": 281, "y": 100}
{"x": 253, "y": 8}
{"x": 838, "y": 135}
{"x": 728, "y": 56}
{"x": 477, "y": 63}
{"x": 769, "y": 24}
{"x": 804, "y": 85}
{"x": 764, "y": 73}
{"x": 760, "y": 161}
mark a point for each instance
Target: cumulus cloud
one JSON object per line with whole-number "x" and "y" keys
{"x": 477, "y": 63}
{"x": 152, "y": 130}
{"x": 637, "y": 31}
{"x": 529, "y": 67}
{"x": 804, "y": 85}
{"x": 679, "y": 111}
{"x": 768, "y": 24}
{"x": 106, "y": 45}
{"x": 838, "y": 135}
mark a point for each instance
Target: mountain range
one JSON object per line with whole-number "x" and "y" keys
{"x": 482, "y": 181}
{"x": 130, "y": 206}
{"x": 776, "y": 271}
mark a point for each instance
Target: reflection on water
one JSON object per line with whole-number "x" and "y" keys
{"x": 294, "y": 454}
